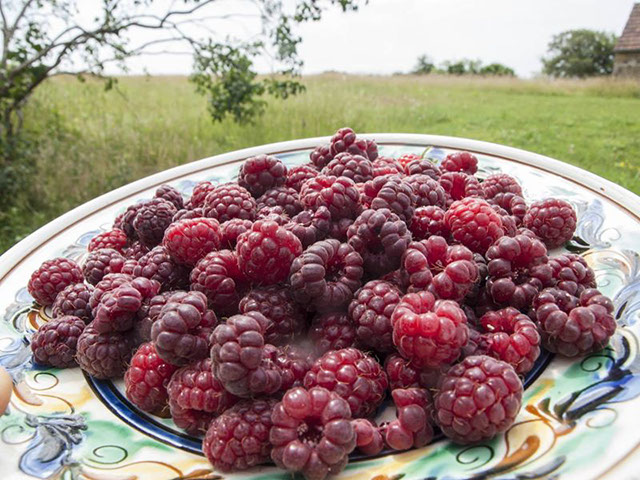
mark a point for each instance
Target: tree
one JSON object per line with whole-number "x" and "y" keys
{"x": 497, "y": 69}
{"x": 424, "y": 66}
{"x": 580, "y": 53}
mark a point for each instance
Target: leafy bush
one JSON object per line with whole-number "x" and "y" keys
{"x": 580, "y": 53}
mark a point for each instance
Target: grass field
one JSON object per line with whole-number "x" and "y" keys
{"x": 90, "y": 141}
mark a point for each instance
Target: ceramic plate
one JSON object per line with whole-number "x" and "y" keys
{"x": 579, "y": 418}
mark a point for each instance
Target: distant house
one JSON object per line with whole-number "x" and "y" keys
{"x": 627, "y": 51}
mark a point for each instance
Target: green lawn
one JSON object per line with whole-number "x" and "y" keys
{"x": 90, "y": 141}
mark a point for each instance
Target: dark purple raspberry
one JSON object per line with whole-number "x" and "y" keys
{"x": 356, "y": 377}
{"x": 339, "y": 194}
{"x": 368, "y": 437}
{"x": 357, "y": 168}
{"x": 54, "y": 343}
{"x": 345, "y": 140}
{"x": 402, "y": 374}
{"x": 574, "y": 326}
{"x": 572, "y": 274}
{"x": 332, "y": 331}
{"x": 321, "y": 156}
{"x": 390, "y": 192}
{"x": 200, "y": 192}
{"x": 231, "y": 230}
{"x": 117, "y": 309}
{"x": 386, "y": 166}
{"x": 500, "y": 183}
{"x": 136, "y": 251}
{"x": 553, "y": 220}
{"x": 100, "y": 263}
{"x": 477, "y": 344}
{"x": 338, "y": 229}
{"x": 159, "y": 266}
{"x": 262, "y": 173}
{"x": 465, "y": 162}
{"x": 474, "y": 224}
{"x": 288, "y": 320}
{"x": 51, "y": 278}
{"x": 108, "y": 283}
{"x": 429, "y": 221}
{"x": 459, "y": 185}
{"x": 326, "y": 275}
{"x": 285, "y": 197}
{"x": 430, "y": 333}
{"x": 148, "y": 313}
{"x": 312, "y": 433}
{"x": 310, "y": 227}
{"x": 509, "y": 222}
{"x": 115, "y": 239}
{"x": 296, "y": 176}
{"x": 187, "y": 241}
{"x": 265, "y": 252}
{"x": 229, "y": 201}
{"x": 239, "y": 438}
{"x": 185, "y": 214}
{"x": 423, "y": 166}
{"x": 152, "y": 220}
{"x": 74, "y": 300}
{"x": 412, "y": 427}
{"x": 124, "y": 221}
{"x": 103, "y": 355}
{"x": 478, "y": 398}
{"x": 427, "y": 191}
{"x": 170, "y": 194}
{"x": 275, "y": 214}
{"x": 513, "y": 204}
{"x": 196, "y": 397}
{"x": 146, "y": 380}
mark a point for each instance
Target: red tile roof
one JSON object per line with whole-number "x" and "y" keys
{"x": 630, "y": 39}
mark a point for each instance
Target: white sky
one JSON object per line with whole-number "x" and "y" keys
{"x": 388, "y": 35}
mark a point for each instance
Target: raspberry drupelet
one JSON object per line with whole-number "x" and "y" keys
{"x": 187, "y": 241}
{"x": 465, "y": 162}
{"x": 423, "y": 166}
{"x": 200, "y": 192}
{"x": 54, "y": 343}
{"x": 296, "y": 176}
{"x": 427, "y": 191}
{"x": 285, "y": 197}
{"x": 331, "y": 331}
{"x": 553, "y": 220}
{"x": 572, "y": 274}
{"x": 228, "y": 201}
{"x": 231, "y": 230}
{"x": 356, "y": 167}
{"x": 368, "y": 437}
{"x": 412, "y": 428}
{"x": 51, "y": 278}
{"x": 390, "y": 192}
{"x": 429, "y": 221}
{"x": 115, "y": 239}
{"x": 459, "y": 185}
{"x": 474, "y": 224}
{"x": 338, "y": 194}
{"x": 100, "y": 263}
{"x": 74, "y": 300}
{"x": 310, "y": 227}
{"x": 500, "y": 183}
{"x": 152, "y": 220}
{"x": 261, "y": 173}
{"x": 402, "y": 374}
{"x": 103, "y": 355}
{"x": 346, "y": 140}
{"x": 159, "y": 266}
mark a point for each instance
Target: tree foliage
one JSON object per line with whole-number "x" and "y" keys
{"x": 425, "y": 65}
{"x": 580, "y": 53}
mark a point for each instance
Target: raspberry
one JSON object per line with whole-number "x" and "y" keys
{"x": 509, "y": 222}
{"x": 407, "y": 158}
{"x": 170, "y": 194}
{"x": 117, "y": 309}
{"x": 54, "y": 343}
{"x": 513, "y": 204}
{"x": 159, "y": 266}
{"x": 115, "y": 239}
{"x": 326, "y": 275}
{"x": 261, "y": 173}
{"x": 284, "y": 197}
{"x": 459, "y": 185}
{"x": 146, "y": 380}
{"x": 571, "y": 273}
{"x": 511, "y": 337}
{"x": 51, "y": 278}
{"x": 478, "y": 398}
{"x": 187, "y": 241}
{"x": 355, "y": 167}
{"x": 465, "y": 162}
{"x": 108, "y": 283}
{"x": 288, "y": 320}
{"x": 477, "y": 344}
{"x": 181, "y": 331}
{"x": 518, "y": 269}
{"x": 427, "y": 191}
{"x": 553, "y": 220}
{"x": 239, "y": 438}
{"x": 402, "y": 374}
{"x": 312, "y": 433}
{"x": 338, "y": 229}
{"x": 309, "y": 226}
{"x": 574, "y": 326}
{"x": 148, "y": 313}
{"x": 368, "y": 437}
{"x": 124, "y": 221}
{"x": 339, "y": 194}
{"x": 390, "y": 192}
{"x": 275, "y": 214}
{"x": 231, "y": 230}
{"x": 74, "y": 301}
{"x": 136, "y": 251}
{"x": 370, "y": 310}
{"x": 196, "y": 397}
{"x": 218, "y": 276}
{"x": 293, "y": 362}
{"x": 296, "y": 176}
{"x": 321, "y": 156}
{"x": 429, "y": 221}
{"x": 380, "y": 237}
{"x": 474, "y": 224}
{"x": 386, "y": 166}
{"x": 185, "y": 214}
{"x": 265, "y": 252}
{"x": 356, "y": 377}
{"x": 423, "y": 166}
{"x": 412, "y": 427}
{"x": 100, "y": 263}
{"x": 500, "y": 183}
{"x": 152, "y": 220}
{"x": 345, "y": 140}
{"x": 229, "y": 201}
{"x": 332, "y": 331}
{"x": 200, "y": 192}
{"x": 430, "y": 333}
{"x": 103, "y": 355}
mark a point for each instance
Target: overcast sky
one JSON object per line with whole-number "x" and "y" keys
{"x": 388, "y": 35}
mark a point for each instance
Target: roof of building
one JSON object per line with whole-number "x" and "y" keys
{"x": 630, "y": 38}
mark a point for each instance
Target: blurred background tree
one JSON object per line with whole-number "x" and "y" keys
{"x": 424, "y": 66}
{"x": 580, "y": 53}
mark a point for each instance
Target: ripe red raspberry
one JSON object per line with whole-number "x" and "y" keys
{"x": 148, "y": 313}
{"x": 430, "y": 333}
{"x": 231, "y": 230}
{"x": 275, "y": 214}
{"x": 331, "y": 331}
{"x": 108, "y": 283}
{"x": 339, "y": 194}
{"x": 103, "y": 355}
{"x": 100, "y": 263}
{"x": 402, "y": 374}
{"x": 500, "y": 183}
{"x": 159, "y": 266}
{"x": 511, "y": 337}
{"x": 265, "y": 252}
{"x": 368, "y": 437}
{"x": 386, "y": 166}
{"x": 390, "y": 192}
{"x": 170, "y": 194}
{"x": 424, "y": 166}
{"x": 54, "y": 343}
{"x": 572, "y": 274}
{"x": 553, "y": 220}
{"x": 124, "y": 221}
{"x": 51, "y": 278}
{"x": 152, "y": 220}
{"x": 518, "y": 269}
{"x": 196, "y": 397}
{"x": 146, "y": 380}
{"x": 345, "y": 140}
{"x": 218, "y": 276}
{"x": 513, "y": 204}
{"x": 229, "y": 201}
{"x": 574, "y": 326}
{"x": 370, "y": 310}
{"x": 474, "y": 224}
{"x": 296, "y": 176}
{"x": 356, "y": 377}
{"x": 465, "y": 162}
{"x": 136, "y": 251}
{"x": 478, "y": 398}
{"x": 239, "y": 438}
{"x": 310, "y": 227}
{"x": 187, "y": 241}
{"x": 181, "y": 331}
{"x": 288, "y": 320}
{"x": 285, "y": 197}
{"x": 412, "y": 427}
{"x": 326, "y": 275}
{"x": 74, "y": 300}
{"x": 261, "y": 173}
{"x": 459, "y": 185}
{"x": 356, "y": 167}
{"x": 321, "y": 156}
{"x": 427, "y": 191}
{"x": 429, "y": 221}
{"x": 115, "y": 239}
{"x": 200, "y": 192}
{"x": 312, "y": 433}
{"x": 117, "y": 309}
{"x": 293, "y": 362}
{"x": 408, "y": 158}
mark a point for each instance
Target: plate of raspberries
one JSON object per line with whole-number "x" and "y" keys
{"x": 357, "y": 306}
